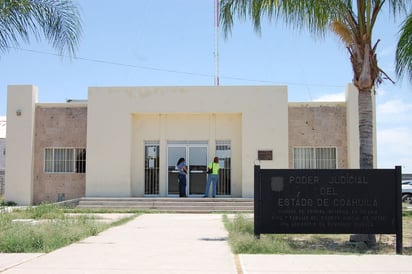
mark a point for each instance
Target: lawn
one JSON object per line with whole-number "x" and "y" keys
{"x": 242, "y": 240}
{"x": 47, "y": 227}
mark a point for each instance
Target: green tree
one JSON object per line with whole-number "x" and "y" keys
{"x": 352, "y": 21}
{"x": 58, "y": 21}
{"x": 404, "y": 50}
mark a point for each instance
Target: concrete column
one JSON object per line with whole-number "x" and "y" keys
{"x": 352, "y": 122}
{"x": 21, "y": 102}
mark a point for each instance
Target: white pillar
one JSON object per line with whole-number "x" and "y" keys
{"x": 352, "y": 125}
{"x": 21, "y": 101}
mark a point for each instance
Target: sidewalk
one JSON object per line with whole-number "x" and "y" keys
{"x": 151, "y": 243}
{"x": 184, "y": 243}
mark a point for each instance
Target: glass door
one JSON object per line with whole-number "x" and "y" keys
{"x": 197, "y": 169}
{"x": 196, "y": 161}
{"x": 174, "y": 153}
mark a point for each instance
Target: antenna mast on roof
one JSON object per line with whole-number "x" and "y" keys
{"x": 216, "y": 43}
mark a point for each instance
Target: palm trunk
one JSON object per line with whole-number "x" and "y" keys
{"x": 365, "y": 129}
{"x": 365, "y": 110}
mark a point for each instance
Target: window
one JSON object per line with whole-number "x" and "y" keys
{"x": 314, "y": 157}
{"x": 224, "y": 152}
{"x": 151, "y": 168}
{"x": 65, "y": 160}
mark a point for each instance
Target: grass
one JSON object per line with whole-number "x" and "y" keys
{"x": 242, "y": 240}
{"x": 53, "y": 229}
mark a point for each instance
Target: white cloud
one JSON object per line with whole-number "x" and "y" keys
{"x": 381, "y": 92}
{"x": 395, "y": 148}
{"x": 336, "y": 97}
{"x": 393, "y": 112}
{"x": 386, "y": 52}
{"x": 394, "y": 107}
{"x": 398, "y": 135}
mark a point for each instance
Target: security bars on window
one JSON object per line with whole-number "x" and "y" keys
{"x": 224, "y": 152}
{"x": 151, "y": 168}
{"x": 65, "y": 160}
{"x": 314, "y": 157}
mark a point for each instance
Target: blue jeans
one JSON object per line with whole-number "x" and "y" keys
{"x": 211, "y": 178}
{"x": 182, "y": 185}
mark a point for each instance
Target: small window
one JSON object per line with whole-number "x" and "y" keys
{"x": 314, "y": 157}
{"x": 65, "y": 160}
{"x": 151, "y": 167}
{"x": 224, "y": 152}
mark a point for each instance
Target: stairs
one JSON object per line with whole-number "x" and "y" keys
{"x": 166, "y": 204}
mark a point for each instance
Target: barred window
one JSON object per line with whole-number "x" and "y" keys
{"x": 151, "y": 167}
{"x": 224, "y": 152}
{"x": 65, "y": 160}
{"x": 314, "y": 157}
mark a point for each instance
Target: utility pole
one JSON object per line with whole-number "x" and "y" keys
{"x": 216, "y": 53}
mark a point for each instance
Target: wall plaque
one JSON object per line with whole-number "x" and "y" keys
{"x": 265, "y": 155}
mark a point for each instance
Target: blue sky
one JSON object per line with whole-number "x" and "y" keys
{"x": 171, "y": 43}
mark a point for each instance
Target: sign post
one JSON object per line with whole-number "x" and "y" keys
{"x": 328, "y": 201}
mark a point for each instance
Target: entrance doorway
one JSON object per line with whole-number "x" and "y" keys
{"x": 196, "y": 161}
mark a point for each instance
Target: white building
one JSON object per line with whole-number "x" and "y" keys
{"x": 2, "y": 152}
{"x": 133, "y": 136}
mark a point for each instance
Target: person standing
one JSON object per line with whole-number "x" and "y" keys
{"x": 212, "y": 177}
{"x": 182, "y": 168}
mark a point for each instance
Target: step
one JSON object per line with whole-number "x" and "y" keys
{"x": 199, "y": 205}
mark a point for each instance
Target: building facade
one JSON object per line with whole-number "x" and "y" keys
{"x": 125, "y": 141}
{"x": 2, "y": 153}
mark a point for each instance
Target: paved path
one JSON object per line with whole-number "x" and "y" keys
{"x": 185, "y": 243}
{"x": 326, "y": 264}
{"x": 152, "y": 243}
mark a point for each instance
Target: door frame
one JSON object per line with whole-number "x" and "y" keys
{"x": 187, "y": 145}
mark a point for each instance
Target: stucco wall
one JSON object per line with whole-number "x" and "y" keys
{"x": 2, "y": 163}
{"x": 318, "y": 125}
{"x": 120, "y": 119}
{"x": 2, "y": 153}
{"x": 21, "y": 100}
{"x": 209, "y": 127}
{"x": 263, "y": 112}
{"x": 58, "y": 127}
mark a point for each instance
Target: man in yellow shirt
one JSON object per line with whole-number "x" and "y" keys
{"x": 212, "y": 177}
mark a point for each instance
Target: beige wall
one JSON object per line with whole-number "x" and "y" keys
{"x": 120, "y": 119}
{"x": 2, "y": 154}
{"x": 178, "y": 127}
{"x": 260, "y": 111}
{"x": 19, "y": 146}
{"x": 318, "y": 125}
{"x": 351, "y": 94}
{"x": 352, "y": 120}
{"x": 58, "y": 126}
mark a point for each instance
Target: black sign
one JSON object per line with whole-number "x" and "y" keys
{"x": 363, "y": 201}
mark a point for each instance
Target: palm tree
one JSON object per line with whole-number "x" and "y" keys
{"x": 58, "y": 21}
{"x": 404, "y": 50}
{"x": 352, "y": 21}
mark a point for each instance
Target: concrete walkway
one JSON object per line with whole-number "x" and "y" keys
{"x": 184, "y": 243}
